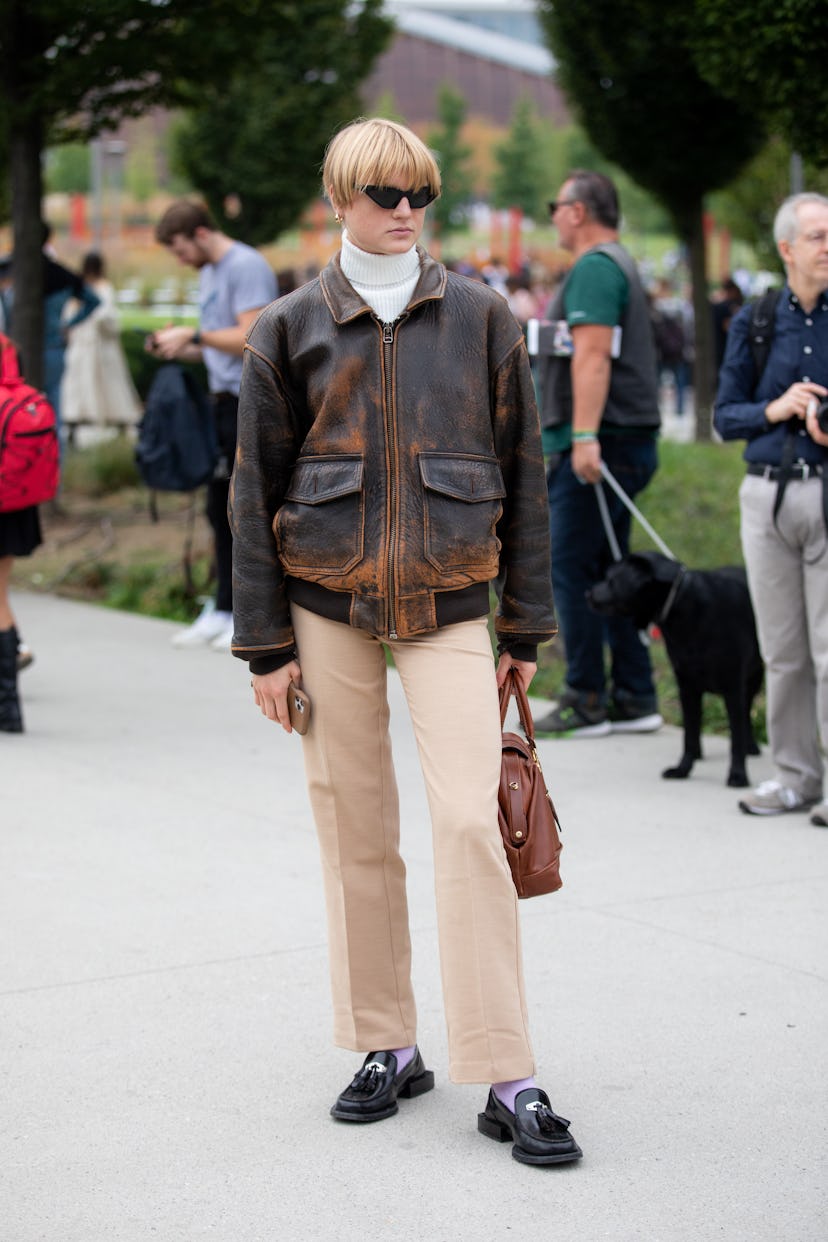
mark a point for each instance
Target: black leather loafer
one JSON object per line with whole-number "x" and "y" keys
{"x": 374, "y": 1091}
{"x": 539, "y": 1135}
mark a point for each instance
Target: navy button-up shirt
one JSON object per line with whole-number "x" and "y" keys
{"x": 799, "y": 351}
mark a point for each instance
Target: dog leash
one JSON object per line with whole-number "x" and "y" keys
{"x": 625, "y": 500}
{"x": 656, "y": 538}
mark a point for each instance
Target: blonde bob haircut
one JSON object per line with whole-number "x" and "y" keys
{"x": 374, "y": 151}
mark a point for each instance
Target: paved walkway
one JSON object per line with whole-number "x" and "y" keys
{"x": 164, "y": 1024}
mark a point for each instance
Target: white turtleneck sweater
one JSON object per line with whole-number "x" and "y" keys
{"x": 385, "y": 281}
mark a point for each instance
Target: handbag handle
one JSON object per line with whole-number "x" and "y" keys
{"x": 513, "y": 685}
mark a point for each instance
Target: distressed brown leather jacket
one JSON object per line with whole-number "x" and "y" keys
{"x": 386, "y": 473}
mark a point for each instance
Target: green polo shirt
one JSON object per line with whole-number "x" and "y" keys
{"x": 596, "y": 292}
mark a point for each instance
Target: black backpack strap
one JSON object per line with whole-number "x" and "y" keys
{"x": 760, "y": 339}
{"x": 761, "y": 329}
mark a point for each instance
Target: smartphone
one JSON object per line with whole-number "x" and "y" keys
{"x": 299, "y": 708}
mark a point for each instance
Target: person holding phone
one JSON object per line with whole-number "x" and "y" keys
{"x": 388, "y": 471}
{"x": 234, "y": 282}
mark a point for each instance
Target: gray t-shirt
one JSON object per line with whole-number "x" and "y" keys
{"x": 240, "y": 281}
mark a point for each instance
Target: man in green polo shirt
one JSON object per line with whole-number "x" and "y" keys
{"x": 599, "y": 402}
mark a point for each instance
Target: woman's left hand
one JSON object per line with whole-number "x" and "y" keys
{"x": 526, "y": 670}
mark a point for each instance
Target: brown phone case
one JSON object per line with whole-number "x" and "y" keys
{"x": 299, "y": 707}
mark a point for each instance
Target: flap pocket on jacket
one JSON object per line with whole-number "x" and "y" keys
{"x": 462, "y": 506}
{"x": 317, "y": 479}
{"x": 463, "y": 477}
{"x": 320, "y": 527}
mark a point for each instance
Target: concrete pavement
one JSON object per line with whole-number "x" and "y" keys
{"x": 164, "y": 1023}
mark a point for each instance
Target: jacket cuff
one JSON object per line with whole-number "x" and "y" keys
{"x": 268, "y": 664}
{"x": 527, "y": 652}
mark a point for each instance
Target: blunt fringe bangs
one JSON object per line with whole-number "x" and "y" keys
{"x": 372, "y": 152}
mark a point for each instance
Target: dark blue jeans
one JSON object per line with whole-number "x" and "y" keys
{"x": 580, "y": 557}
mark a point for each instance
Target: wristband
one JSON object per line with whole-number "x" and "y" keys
{"x": 196, "y": 337}
{"x": 583, "y": 437}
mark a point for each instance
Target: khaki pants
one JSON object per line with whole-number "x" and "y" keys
{"x": 787, "y": 570}
{"x": 449, "y": 683}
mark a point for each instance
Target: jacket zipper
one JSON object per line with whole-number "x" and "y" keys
{"x": 388, "y": 358}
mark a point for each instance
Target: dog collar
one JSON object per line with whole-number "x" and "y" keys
{"x": 673, "y": 595}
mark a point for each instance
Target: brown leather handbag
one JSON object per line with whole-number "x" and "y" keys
{"x": 528, "y": 820}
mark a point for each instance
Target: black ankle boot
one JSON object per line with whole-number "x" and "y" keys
{"x": 11, "y": 719}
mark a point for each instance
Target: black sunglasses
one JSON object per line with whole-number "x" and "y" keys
{"x": 388, "y": 197}
{"x": 560, "y": 202}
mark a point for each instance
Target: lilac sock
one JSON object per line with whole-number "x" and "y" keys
{"x": 506, "y": 1092}
{"x": 404, "y": 1055}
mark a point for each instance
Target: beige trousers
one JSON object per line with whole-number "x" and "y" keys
{"x": 787, "y": 568}
{"x": 449, "y": 683}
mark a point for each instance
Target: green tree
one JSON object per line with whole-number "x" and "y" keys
{"x": 748, "y": 205}
{"x": 769, "y": 56}
{"x": 73, "y": 71}
{"x": 642, "y": 212}
{"x": 453, "y": 157}
{"x": 628, "y": 72}
{"x": 140, "y": 176}
{"x": 386, "y": 106}
{"x": 67, "y": 169}
{"x": 520, "y": 178}
{"x": 255, "y": 142}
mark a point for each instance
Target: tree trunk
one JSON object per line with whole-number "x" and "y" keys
{"x": 703, "y": 369}
{"x": 25, "y": 146}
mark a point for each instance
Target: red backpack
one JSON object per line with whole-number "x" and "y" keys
{"x": 29, "y": 449}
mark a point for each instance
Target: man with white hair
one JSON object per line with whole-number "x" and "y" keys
{"x": 772, "y": 387}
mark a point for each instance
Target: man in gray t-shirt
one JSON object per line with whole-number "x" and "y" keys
{"x": 235, "y": 283}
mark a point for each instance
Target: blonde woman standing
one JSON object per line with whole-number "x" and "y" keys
{"x": 389, "y": 470}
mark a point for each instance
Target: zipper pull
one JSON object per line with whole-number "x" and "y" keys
{"x": 388, "y": 334}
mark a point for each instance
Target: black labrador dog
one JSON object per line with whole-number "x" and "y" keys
{"x": 707, "y": 621}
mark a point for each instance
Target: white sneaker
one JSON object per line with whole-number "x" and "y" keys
{"x": 24, "y": 656}
{"x": 223, "y": 640}
{"x": 638, "y": 724}
{"x": 207, "y": 626}
{"x": 774, "y": 798}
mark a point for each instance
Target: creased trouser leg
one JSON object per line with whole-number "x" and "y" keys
{"x": 449, "y": 683}
{"x": 353, "y": 794}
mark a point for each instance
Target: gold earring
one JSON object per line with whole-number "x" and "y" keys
{"x": 338, "y": 218}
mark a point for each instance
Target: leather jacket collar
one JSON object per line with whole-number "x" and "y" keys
{"x": 345, "y": 303}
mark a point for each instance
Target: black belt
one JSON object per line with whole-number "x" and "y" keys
{"x": 796, "y": 470}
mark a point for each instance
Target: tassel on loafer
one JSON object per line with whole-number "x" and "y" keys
{"x": 539, "y": 1135}
{"x": 374, "y": 1091}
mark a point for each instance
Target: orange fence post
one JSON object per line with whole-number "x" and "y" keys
{"x": 515, "y": 259}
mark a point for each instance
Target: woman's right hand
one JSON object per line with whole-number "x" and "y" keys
{"x": 270, "y": 691}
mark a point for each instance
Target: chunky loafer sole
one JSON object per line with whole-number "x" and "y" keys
{"x": 550, "y": 1140}
{"x": 373, "y": 1094}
